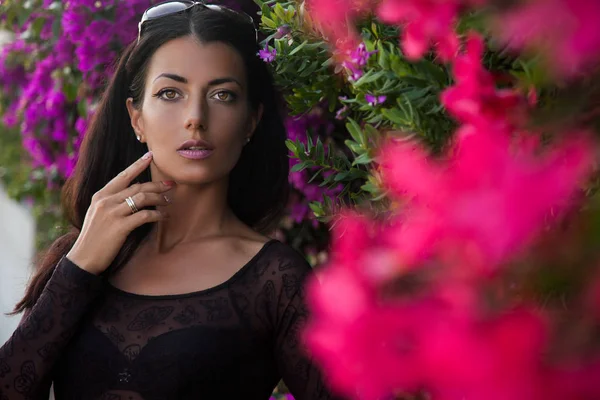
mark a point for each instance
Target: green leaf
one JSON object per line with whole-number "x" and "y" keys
{"x": 315, "y": 175}
{"x": 291, "y": 146}
{"x": 355, "y": 147}
{"x": 369, "y": 77}
{"x": 356, "y": 173}
{"x": 298, "y": 48}
{"x": 279, "y": 11}
{"x": 370, "y": 188}
{"x": 341, "y": 176}
{"x": 364, "y": 158}
{"x": 356, "y": 133}
{"x": 396, "y": 116}
{"x": 269, "y": 23}
{"x": 299, "y": 167}
{"x": 320, "y": 156}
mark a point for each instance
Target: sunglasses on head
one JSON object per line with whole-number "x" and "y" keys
{"x": 177, "y": 7}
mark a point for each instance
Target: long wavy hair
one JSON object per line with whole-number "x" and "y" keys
{"x": 258, "y": 186}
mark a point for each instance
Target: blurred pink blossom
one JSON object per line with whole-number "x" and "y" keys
{"x": 474, "y": 99}
{"x": 425, "y": 22}
{"x": 565, "y": 30}
{"x": 488, "y": 199}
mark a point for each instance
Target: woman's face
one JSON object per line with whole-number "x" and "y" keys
{"x": 194, "y": 116}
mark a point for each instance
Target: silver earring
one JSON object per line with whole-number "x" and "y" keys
{"x": 247, "y": 140}
{"x": 139, "y": 138}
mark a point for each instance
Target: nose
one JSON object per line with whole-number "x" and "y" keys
{"x": 196, "y": 116}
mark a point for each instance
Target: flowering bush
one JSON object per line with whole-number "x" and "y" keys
{"x": 451, "y": 146}
{"x": 480, "y": 280}
{"x": 51, "y": 75}
{"x": 48, "y": 94}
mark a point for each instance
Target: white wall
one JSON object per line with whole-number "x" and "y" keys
{"x": 17, "y": 243}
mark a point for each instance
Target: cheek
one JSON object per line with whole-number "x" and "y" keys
{"x": 157, "y": 116}
{"x": 227, "y": 125}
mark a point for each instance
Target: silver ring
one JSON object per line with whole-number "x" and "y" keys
{"x": 131, "y": 205}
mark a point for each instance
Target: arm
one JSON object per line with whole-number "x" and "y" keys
{"x": 303, "y": 378}
{"x": 27, "y": 358}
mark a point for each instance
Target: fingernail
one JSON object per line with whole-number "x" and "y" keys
{"x": 147, "y": 155}
{"x": 169, "y": 183}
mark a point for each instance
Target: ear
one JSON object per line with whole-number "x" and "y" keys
{"x": 136, "y": 119}
{"x": 255, "y": 119}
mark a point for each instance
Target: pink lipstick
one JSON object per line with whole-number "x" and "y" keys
{"x": 195, "y": 149}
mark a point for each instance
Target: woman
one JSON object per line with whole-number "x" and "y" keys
{"x": 166, "y": 288}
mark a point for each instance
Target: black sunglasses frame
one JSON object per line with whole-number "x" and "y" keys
{"x": 186, "y": 6}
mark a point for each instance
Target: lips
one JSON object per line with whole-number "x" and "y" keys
{"x": 195, "y": 154}
{"x": 195, "y": 145}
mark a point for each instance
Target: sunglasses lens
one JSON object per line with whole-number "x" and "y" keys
{"x": 167, "y": 8}
{"x": 173, "y": 7}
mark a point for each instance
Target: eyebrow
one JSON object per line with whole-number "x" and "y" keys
{"x": 213, "y": 82}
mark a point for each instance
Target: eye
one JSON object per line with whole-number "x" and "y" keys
{"x": 225, "y": 96}
{"x": 167, "y": 94}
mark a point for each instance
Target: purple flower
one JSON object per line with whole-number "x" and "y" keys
{"x": 361, "y": 56}
{"x": 340, "y": 114}
{"x": 355, "y": 73}
{"x": 357, "y": 60}
{"x": 282, "y": 31}
{"x": 374, "y": 100}
{"x": 60, "y": 132}
{"x": 63, "y": 50}
{"x": 40, "y": 155}
{"x": 55, "y": 102}
{"x": 66, "y": 164}
{"x": 267, "y": 55}
{"x": 73, "y": 23}
{"x": 81, "y": 126}
{"x": 101, "y": 31}
{"x": 11, "y": 117}
{"x": 46, "y": 33}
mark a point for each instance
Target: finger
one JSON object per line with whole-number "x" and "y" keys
{"x": 124, "y": 179}
{"x": 148, "y": 187}
{"x": 144, "y": 217}
{"x": 143, "y": 200}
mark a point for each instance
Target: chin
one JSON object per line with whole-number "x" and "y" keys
{"x": 196, "y": 178}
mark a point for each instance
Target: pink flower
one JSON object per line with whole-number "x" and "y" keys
{"x": 356, "y": 60}
{"x": 488, "y": 200}
{"x": 425, "y": 22}
{"x": 267, "y": 55}
{"x": 497, "y": 359}
{"x": 565, "y": 30}
{"x": 474, "y": 98}
{"x": 373, "y": 100}
{"x": 354, "y": 340}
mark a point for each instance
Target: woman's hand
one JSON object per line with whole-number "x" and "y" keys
{"x": 109, "y": 220}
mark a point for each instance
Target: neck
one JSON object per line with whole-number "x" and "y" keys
{"x": 195, "y": 213}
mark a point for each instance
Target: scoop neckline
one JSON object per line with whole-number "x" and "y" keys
{"x": 221, "y": 285}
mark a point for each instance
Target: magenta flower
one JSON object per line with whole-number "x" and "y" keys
{"x": 341, "y": 113}
{"x": 425, "y": 22}
{"x": 267, "y": 55}
{"x": 490, "y": 197}
{"x": 356, "y": 60}
{"x": 282, "y": 31}
{"x": 565, "y": 30}
{"x": 374, "y": 100}
{"x": 474, "y": 98}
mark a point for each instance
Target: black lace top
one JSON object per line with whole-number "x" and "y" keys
{"x": 233, "y": 341}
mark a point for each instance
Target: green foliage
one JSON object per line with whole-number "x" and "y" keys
{"x": 29, "y": 186}
{"x": 311, "y": 77}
